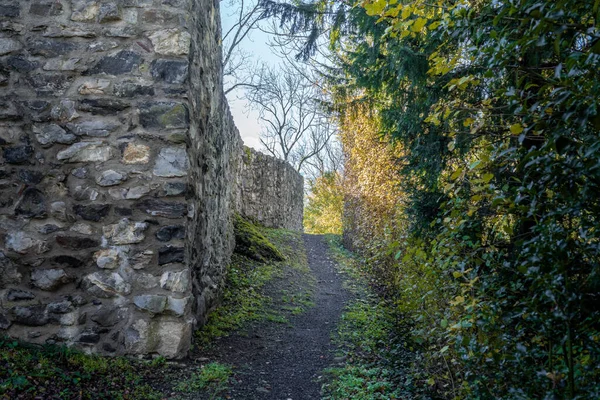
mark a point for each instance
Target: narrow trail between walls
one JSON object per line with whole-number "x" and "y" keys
{"x": 285, "y": 361}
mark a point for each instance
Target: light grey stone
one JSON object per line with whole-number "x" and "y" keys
{"x": 84, "y": 10}
{"x": 65, "y": 31}
{"x": 49, "y": 279}
{"x": 57, "y": 64}
{"x": 137, "y": 192}
{"x": 82, "y": 228}
{"x": 51, "y": 134}
{"x": 94, "y": 86}
{"x": 178, "y": 307}
{"x": 171, "y": 162}
{"x": 125, "y": 232}
{"x": 95, "y": 151}
{"x": 174, "y": 338}
{"x": 108, "y": 258}
{"x": 58, "y": 210}
{"x": 146, "y": 281}
{"x": 118, "y": 193}
{"x": 154, "y": 304}
{"x": 21, "y": 243}
{"x": 107, "y": 284}
{"x": 95, "y": 128}
{"x": 110, "y": 178}
{"x": 8, "y": 45}
{"x": 176, "y": 281}
{"x": 64, "y": 111}
{"x": 141, "y": 260}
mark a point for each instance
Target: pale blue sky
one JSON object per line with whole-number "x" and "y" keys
{"x": 256, "y": 44}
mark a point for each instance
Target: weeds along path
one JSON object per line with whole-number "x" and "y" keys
{"x": 284, "y": 358}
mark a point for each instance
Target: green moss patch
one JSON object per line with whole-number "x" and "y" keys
{"x": 252, "y": 243}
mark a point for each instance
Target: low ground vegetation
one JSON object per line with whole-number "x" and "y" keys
{"x": 374, "y": 357}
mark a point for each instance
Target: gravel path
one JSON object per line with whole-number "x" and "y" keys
{"x": 285, "y": 361}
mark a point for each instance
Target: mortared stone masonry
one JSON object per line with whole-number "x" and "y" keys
{"x": 120, "y": 168}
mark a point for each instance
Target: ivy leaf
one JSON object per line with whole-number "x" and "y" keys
{"x": 487, "y": 177}
{"x": 375, "y": 8}
{"x": 516, "y": 129}
{"x": 418, "y": 25}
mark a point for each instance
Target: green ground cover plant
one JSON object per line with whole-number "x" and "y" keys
{"x": 31, "y": 371}
{"x": 212, "y": 379}
{"x": 375, "y": 357}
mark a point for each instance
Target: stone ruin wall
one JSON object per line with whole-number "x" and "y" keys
{"x": 270, "y": 190}
{"x": 118, "y": 159}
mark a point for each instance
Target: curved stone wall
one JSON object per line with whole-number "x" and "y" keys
{"x": 270, "y": 191}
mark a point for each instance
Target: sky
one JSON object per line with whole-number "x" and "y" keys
{"x": 246, "y": 119}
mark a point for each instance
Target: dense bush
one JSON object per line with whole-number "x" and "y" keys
{"x": 495, "y": 108}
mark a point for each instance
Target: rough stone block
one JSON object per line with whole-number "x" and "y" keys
{"x": 19, "y": 295}
{"x": 94, "y": 86}
{"x": 170, "y": 254}
{"x": 109, "y": 258}
{"x": 170, "y": 71}
{"x": 103, "y": 106}
{"x": 93, "y": 128}
{"x": 164, "y": 115}
{"x": 109, "y": 12}
{"x": 160, "y": 208}
{"x": 84, "y": 10}
{"x": 107, "y": 284}
{"x": 94, "y": 151}
{"x": 64, "y": 111}
{"x": 168, "y": 233}
{"x": 9, "y": 274}
{"x": 18, "y": 154}
{"x": 171, "y": 42}
{"x": 92, "y": 212}
{"x": 120, "y": 63}
{"x": 111, "y": 178}
{"x": 8, "y": 45}
{"x": 136, "y": 154}
{"x": 20, "y": 64}
{"x": 10, "y": 10}
{"x": 35, "y": 315}
{"x": 154, "y": 304}
{"x": 21, "y": 243}
{"x": 49, "y": 48}
{"x": 125, "y": 232}
{"x": 176, "y": 281}
{"x": 171, "y": 162}
{"x": 47, "y": 135}
{"x": 49, "y": 279}
{"x": 131, "y": 88}
{"x": 32, "y": 204}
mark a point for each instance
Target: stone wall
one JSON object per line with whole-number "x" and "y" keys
{"x": 270, "y": 191}
{"x": 118, "y": 158}
{"x": 215, "y": 145}
{"x": 94, "y": 120}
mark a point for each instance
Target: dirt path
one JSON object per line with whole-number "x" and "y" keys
{"x": 284, "y": 361}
